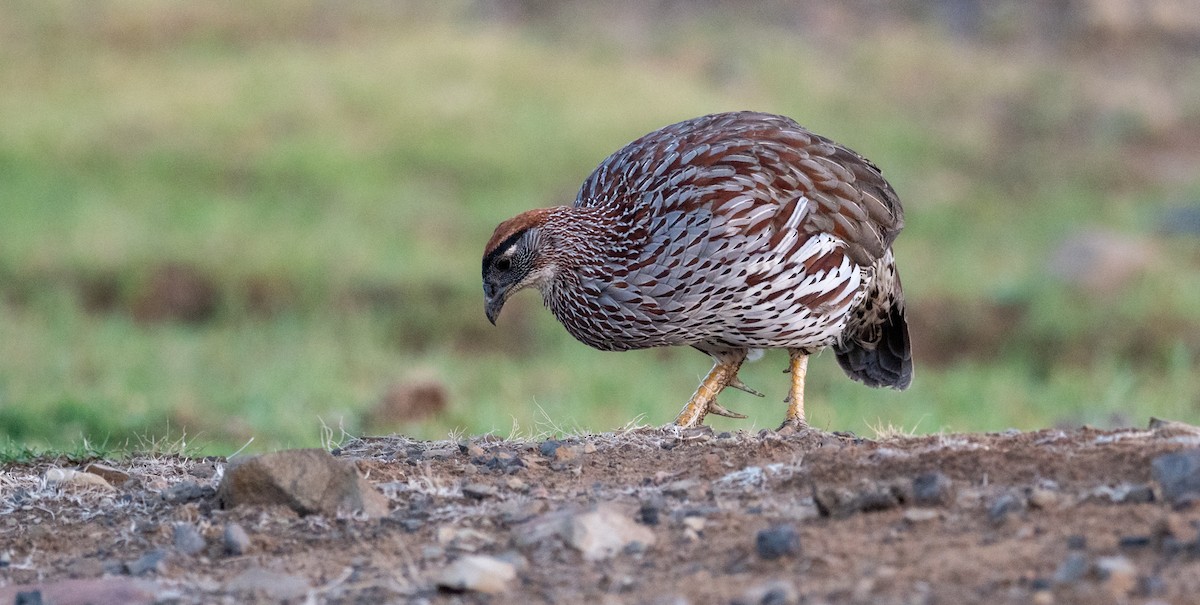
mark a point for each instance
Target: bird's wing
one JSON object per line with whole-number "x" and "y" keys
{"x": 752, "y": 177}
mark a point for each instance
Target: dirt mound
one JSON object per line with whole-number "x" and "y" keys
{"x": 692, "y": 517}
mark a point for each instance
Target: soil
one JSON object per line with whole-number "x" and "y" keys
{"x": 1053, "y": 516}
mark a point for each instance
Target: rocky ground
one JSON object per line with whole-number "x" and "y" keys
{"x": 643, "y": 516}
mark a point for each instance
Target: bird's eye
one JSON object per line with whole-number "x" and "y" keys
{"x": 503, "y": 263}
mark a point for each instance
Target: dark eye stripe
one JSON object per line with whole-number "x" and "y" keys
{"x": 502, "y": 248}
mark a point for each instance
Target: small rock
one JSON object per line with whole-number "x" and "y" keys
{"x": 1005, "y": 506}
{"x": 186, "y": 491}
{"x": 273, "y": 585}
{"x": 1042, "y": 498}
{"x": 932, "y": 489}
{"x": 837, "y": 502}
{"x": 777, "y": 592}
{"x": 1134, "y": 542}
{"x": 683, "y": 488}
{"x": 307, "y": 481}
{"x": 187, "y": 538}
{"x": 778, "y": 541}
{"x": 502, "y": 463}
{"x": 479, "y": 491}
{"x": 1136, "y": 494}
{"x": 1117, "y": 574}
{"x": 519, "y": 510}
{"x": 693, "y": 527}
{"x": 920, "y": 515}
{"x": 151, "y": 562}
{"x": 1076, "y": 542}
{"x": 603, "y": 532}
{"x": 463, "y": 539}
{"x": 114, "y": 476}
{"x": 478, "y": 574}
{"x": 840, "y": 502}
{"x": 235, "y": 539}
{"x": 649, "y": 512}
{"x": 204, "y": 470}
{"x": 1178, "y": 474}
{"x": 74, "y": 478}
{"x": 589, "y": 448}
{"x": 549, "y": 447}
{"x": 31, "y": 597}
{"x": 1072, "y": 569}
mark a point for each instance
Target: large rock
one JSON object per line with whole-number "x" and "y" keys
{"x": 308, "y": 481}
{"x": 603, "y": 532}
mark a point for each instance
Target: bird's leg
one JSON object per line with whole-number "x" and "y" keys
{"x": 795, "y": 399}
{"x": 704, "y": 401}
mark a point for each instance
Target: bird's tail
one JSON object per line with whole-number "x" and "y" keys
{"x": 874, "y": 348}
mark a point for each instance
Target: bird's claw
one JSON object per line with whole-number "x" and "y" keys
{"x": 741, "y": 386}
{"x": 718, "y": 409}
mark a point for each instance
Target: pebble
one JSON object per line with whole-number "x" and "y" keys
{"x": 477, "y": 573}
{"x": 549, "y": 447}
{"x": 1117, "y": 574}
{"x": 1005, "y": 506}
{"x": 479, "y": 491}
{"x": 777, "y": 592}
{"x": 601, "y": 533}
{"x": 1072, "y": 569}
{"x": 187, "y": 538}
{"x": 184, "y": 492}
{"x": 649, "y": 513}
{"x": 204, "y": 470}
{"x": 693, "y": 527}
{"x": 151, "y": 562}
{"x": 1042, "y": 498}
{"x": 932, "y": 489}
{"x": 114, "y": 476}
{"x": 235, "y": 539}
{"x": 1178, "y": 474}
{"x": 777, "y": 541}
{"x": 683, "y": 488}
{"x": 74, "y": 478}
{"x": 920, "y": 515}
{"x": 840, "y": 502}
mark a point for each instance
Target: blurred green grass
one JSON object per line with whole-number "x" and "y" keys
{"x": 331, "y": 172}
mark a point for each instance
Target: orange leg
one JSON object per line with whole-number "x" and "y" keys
{"x": 795, "y": 400}
{"x": 704, "y": 401}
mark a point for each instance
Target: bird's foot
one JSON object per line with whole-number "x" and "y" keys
{"x": 704, "y": 401}
{"x": 793, "y": 426}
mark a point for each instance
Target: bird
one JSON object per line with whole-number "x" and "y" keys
{"x": 730, "y": 233}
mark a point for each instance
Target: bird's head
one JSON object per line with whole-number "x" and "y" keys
{"x": 514, "y": 259}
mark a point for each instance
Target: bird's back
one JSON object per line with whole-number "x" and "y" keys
{"x": 738, "y": 230}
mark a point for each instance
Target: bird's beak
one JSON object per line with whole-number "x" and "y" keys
{"x": 492, "y": 305}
